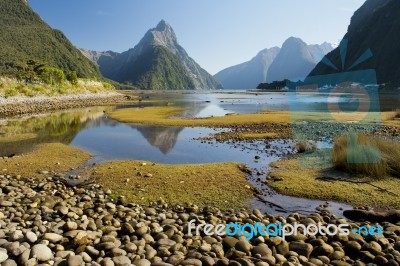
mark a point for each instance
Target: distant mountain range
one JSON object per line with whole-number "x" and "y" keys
{"x": 156, "y": 62}
{"x": 248, "y": 74}
{"x": 376, "y": 26}
{"x": 294, "y": 60}
{"x": 159, "y": 62}
{"x": 25, "y": 36}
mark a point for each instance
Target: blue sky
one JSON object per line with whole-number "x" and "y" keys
{"x": 216, "y": 33}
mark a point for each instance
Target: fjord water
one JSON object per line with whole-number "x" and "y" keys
{"x": 90, "y": 129}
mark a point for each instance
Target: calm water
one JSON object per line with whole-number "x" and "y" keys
{"x": 90, "y": 129}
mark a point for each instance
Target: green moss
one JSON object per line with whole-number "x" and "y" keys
{"x": 53, "y": 157}
{"x": 303, "y": 182}
{"x": 218, "y": 184}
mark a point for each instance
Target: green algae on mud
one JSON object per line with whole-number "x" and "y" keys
{"x": 51, "y": 158}
{"x": 216, "y": 184}
{"x": 293, "y": 180}
{"x": 169, "y": 116}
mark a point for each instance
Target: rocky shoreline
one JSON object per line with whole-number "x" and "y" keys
{"x": 43, "y": 221}
{"x": 24, "y": 105}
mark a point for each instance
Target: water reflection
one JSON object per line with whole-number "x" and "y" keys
{"x": 107, "y": 139}
{"x": 21, "y": 136}
{"x": 164, "y": 138}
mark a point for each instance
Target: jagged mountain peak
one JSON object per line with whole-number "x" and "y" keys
{"x": 163, "y": 25}
{"x": 267, "y": 50}
{"x": 293, "y": 42}
{"x": 156, "y": 62}
{"x": 163, "y": 34}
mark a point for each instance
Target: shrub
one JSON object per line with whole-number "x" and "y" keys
{"x": 397, "y": 115}
{"x": 26, "y": 91}
{"x": 53, "y": 76}
{"x": 366, "y": 155}
{"x": 62, "y": 90}
{"x": 305, "y": 146}
{"x": 72, "y": 77}
{"x": 10, "y": 92}
{"x": 107, "y": 86}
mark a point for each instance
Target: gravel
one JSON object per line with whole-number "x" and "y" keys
{"x": 84, "y": 226}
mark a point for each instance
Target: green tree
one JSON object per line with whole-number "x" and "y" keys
{"x": 53, "y": 76}
{"x": 72, "y": 77}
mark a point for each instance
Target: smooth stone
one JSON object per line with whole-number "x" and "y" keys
{"x": 245, "y": 262}
{"x": 261, "y": 249}
{"x": 31, "y": 237}
{"x": 118, "y": 252}
{"x": 9, "y": 262}
{"x": 337, "y": 255}
{"x": 244, "y": 246}
{"x": 63, "y": 210}
{"x": 92, "y": 251}
{"x": 192, "y": 262}
{"x": 71, "y": 226}
{"x": 283, "y": 247}
{"x": 207, "y": 261}
{"x": 52, "y": 237}
{"x": 339, "y": 263}
{"x": 301, "y": 248}
{"x": 175, "y": 259}
{"x": 41, "y": 252}
{"x": 142, "y": 262}
{"x": 165, "y": 242}
{"x": 16, "y": 235}
{"x": 324, "y": 250}
{"x": 229, "y": 242}
{"x": 74, "y": 260}
{"x": 107, "y": 262}
{"x": 3, "y": 256}
{"x": 150, "y": 211}
{"x": 121, "y": 261}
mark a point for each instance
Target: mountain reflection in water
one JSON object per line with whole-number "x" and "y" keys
{"x": 163, "y": 138}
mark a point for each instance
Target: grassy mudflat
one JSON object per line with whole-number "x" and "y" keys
{"x": 302, "y": 182}
{"x": 52, "y": 157}
{"x": 260, "y": 125}
{"x": 219, "y": 184}
{"x": 169, "y": 116}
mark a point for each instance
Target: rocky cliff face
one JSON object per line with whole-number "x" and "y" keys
{"x": 156, "y": 62}
{"x": 375, "y": 26}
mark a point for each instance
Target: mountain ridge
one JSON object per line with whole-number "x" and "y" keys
{"x": 140, "y": 64}
{"x": 264, "y": 68}
{"x": 25, "y": 36}
{"x": 249, "y": 74}
{"x": 375, "y": 26}
{"x": 296, "y": 59}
